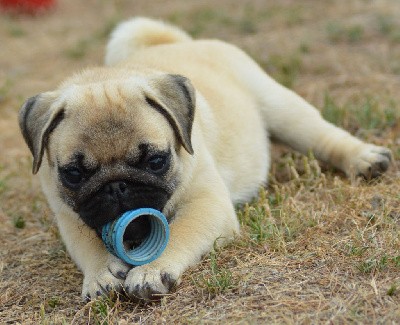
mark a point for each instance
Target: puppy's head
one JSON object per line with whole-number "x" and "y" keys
{"x": 113, "y": 141}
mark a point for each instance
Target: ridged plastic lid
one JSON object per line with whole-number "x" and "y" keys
{"x": 151, "y": 247}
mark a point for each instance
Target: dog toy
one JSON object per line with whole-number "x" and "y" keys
{"x": 151, "y": 247}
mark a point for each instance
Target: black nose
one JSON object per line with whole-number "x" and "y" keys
{"x": 116, "y": 190}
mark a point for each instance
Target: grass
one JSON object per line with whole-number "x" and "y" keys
{"x": 3, "y": 185}
{"x": 79, "y": 50}
{"x": 388, "y": 27}
{"x": 245, "y": 23}
{"x": 82, "y": 46}
{"x": 101, "y": 310}
{"x": 268, "y": 224}
{"x": 379, "y": 263}
{"x": 366, "y": 112}
{"x": 393, "y": 290}
{"x": 284, "y": 68}
{"x": 215, "y": 280}
{"x": 246, "y": 20}
{"x": 5, "y": 89}
{"x": 19, "y": 222}
{"x": 384, "y": 24}
{"x": 16, "y": 31}
{"x": 337, "y": 32}
{"x": 315, "y": 247}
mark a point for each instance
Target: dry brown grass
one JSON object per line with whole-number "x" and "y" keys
{"x": 316, "y": 247}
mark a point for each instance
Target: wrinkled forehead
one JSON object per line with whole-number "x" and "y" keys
{"x": 105, "y": 96}
{"x": 102, "y": 108}
{"x": 110, "y": 120}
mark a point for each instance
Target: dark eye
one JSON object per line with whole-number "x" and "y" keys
{"x": 158, "y": 163}
{"x": 72, "y": 176}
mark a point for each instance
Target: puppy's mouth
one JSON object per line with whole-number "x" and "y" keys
{"x": 117, "y": 197}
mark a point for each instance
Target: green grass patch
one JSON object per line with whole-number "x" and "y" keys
{"x": 105, "y": 30}
{"x": 393, "y": 289}
{"x": 373, "y": 264}
{"x": 396, "y": 153}
{"x": 337, "y": 32}
{"x": 366, "y": 113}
{"x": 5, "y": 89}
{"x": 19, "y": 222}
{"x": 270, "y": 221}
{"x": 216, "y": 279}
{"x": 79, "y": 50}
{"x": 261, "y": 227}
{"x": 389, "y": 27}
{"x": 284, "y": 68}
{"x": 102, "y": 309}
{"x": 16, "y": 31}
{"x": 396, "y": 260}
{"x": 356, "y": 250}
{"x": 378, "y": 263}
{"x": 299, "y": 170}
{"x": 2, "y": 185}
{"x": 53, "y": 302}
{"x": 201, "y": 19}
{"x": 386, "y": 24}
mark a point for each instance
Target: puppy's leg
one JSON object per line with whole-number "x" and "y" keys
{"x": 292, "y": 120}
{"x": 295, "y": 122}
{"x": 102, "y": 271}
{"x": 206, "y": 214}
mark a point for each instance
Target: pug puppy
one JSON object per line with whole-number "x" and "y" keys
{"x": 174, "y": 124}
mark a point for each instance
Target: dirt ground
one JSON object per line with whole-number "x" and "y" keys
{"x": 316, "y": 247}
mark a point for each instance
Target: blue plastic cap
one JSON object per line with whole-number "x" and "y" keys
{"x": 151, "y": 247}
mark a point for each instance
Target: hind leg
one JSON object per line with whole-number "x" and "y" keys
{"x": 293, "y": 121}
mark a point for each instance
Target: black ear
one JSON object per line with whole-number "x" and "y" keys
{"x": 174, "y": 97}
{"x": 37, "y": 119}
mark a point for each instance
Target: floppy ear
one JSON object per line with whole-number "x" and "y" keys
{"x": 174, "y": 97}
{"x": 37, "y": 119}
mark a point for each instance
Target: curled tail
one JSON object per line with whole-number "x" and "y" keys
{"x": 138, "y": 33}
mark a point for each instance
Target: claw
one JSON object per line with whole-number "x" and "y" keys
{"x": 148, "y": 284}
{"x": 106, "y": 280}
{"x": 372, "y": 162}
{"x": 122, "y": 275}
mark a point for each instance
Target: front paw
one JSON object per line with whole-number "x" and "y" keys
{"x": 371, "y": 162}
{"x": 149, "y": 283}
{"x": 109, "y": 277}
